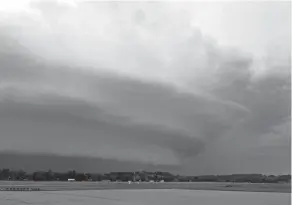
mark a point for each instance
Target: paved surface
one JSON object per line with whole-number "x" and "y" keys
{"x": 64, "y": 186}
{"x": 143, "y": 197}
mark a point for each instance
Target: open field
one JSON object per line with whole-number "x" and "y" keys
{"x": 65, "y": 186}
{"x": 143, "y": 197}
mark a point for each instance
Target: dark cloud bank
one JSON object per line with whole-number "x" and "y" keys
{"x": 223, "y": 120}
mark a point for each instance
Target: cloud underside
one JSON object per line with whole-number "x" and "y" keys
{"x": 211, "y": 106}
{"x": 106, "y": 115}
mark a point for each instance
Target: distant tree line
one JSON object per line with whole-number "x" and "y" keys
{"x": 7, "y": 174}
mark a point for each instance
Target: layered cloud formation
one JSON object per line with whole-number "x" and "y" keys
{"x": 138, "y": 82}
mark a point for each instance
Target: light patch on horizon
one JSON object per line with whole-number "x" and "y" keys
{"x": 149, "y": 82}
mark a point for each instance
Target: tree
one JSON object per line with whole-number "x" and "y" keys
{"x": 71, "y": 174}
{"x": 20, "y": 175}
{"x": 5, "y": 173}
{"x": 49, "y": 175}
{"x": 39, "y": 176}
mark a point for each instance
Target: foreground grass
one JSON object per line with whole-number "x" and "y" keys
{"x": 143, "y": 197}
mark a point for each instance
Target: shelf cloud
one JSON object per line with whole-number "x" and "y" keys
{"x": 139, "y": 82}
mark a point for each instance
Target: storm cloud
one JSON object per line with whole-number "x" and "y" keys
{"x": 138, "y": 82}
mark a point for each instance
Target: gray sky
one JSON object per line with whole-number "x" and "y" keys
{"x": 201, "y": 86}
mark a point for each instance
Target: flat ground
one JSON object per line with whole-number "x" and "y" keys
{"x": 143, "y": 197}
{"x": 66, "y": 186}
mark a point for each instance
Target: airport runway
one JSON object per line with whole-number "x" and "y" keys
{"x": 66, "y": 186}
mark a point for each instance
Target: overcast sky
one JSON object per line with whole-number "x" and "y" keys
{"x": 201, "y": 86}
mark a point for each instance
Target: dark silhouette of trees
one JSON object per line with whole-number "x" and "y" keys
{"x": 4, "y": 174}
{"x": 20, "y": 175}
{"x": 39, "y": 176}
{"x": 50, "y": 175}
{"x": 7, "y": 174}
{"x": 72, "y": 174}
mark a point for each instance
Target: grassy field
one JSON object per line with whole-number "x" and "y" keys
{"x": 143, "y": 197}
{"x": 64, "y": 186}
